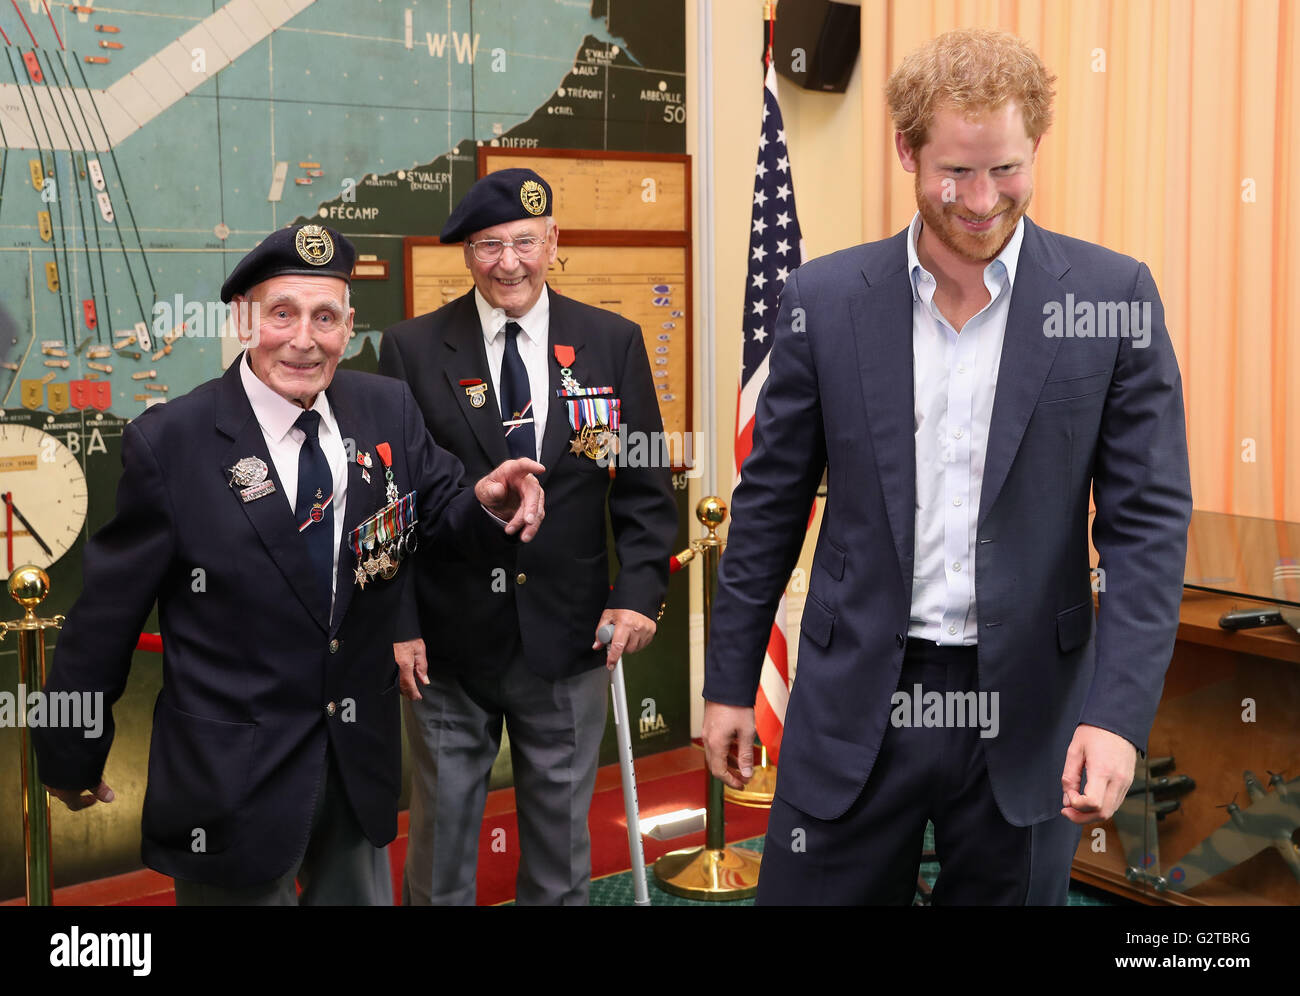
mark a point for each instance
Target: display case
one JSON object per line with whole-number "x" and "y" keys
{"x": 1213, "y": 816}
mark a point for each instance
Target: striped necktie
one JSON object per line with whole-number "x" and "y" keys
{"x": 315, "y": 506}
{"x": 516, "y": 399}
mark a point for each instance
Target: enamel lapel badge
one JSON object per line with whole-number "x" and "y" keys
{"x": 476, "y": 391}
{"x": 249, "y": 475}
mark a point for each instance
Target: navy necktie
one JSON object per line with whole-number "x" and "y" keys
{"x": 315, "y": 506}
{"x": 516, "y": 398}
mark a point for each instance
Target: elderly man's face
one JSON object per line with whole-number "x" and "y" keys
{"x": 511, "y": 283}
{"x": 304, "y": 323}
{"x": 974, "y": 179}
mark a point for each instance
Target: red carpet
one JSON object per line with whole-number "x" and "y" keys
{"x": 665, "y": 782}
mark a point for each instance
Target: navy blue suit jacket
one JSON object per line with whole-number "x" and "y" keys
{"x": 1070, "y": 416}
{"x": 250, "y": 663}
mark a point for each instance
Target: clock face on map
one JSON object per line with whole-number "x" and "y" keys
{"x": 42, "y": 497}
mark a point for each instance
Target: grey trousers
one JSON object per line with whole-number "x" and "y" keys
{"x": 340, "y": 867}
{"x": 454, "y": 733}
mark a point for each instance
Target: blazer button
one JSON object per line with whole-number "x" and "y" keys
{"x": 331, "y": 709}
{"x": 898, "y": 638}
{"x": 521, "y": 577}
{"x": 334, "y": 648}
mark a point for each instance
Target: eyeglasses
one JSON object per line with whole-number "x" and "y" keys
{"x": 490, "y": 250}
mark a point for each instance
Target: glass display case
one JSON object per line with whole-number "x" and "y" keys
{"x": 1213, "y": 816}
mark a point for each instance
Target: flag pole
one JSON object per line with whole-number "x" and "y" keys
{"x": 704, "y": 162}
{"x": 760, "y": 790}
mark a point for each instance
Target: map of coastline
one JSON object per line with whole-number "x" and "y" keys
{"x": 363, "y": 115}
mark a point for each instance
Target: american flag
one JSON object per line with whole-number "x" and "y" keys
{"x": 775, "y": 249}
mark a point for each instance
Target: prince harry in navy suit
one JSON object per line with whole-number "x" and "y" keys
{"x": 962, "y": 434}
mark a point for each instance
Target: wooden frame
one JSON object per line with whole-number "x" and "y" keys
{"x": 608, "y": 236}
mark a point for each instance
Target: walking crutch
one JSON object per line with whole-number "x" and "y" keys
{"x": 623, "y": 731}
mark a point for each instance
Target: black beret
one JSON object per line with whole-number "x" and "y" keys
{"x": 506, "y": 195}
{"x": 308, "y": 250}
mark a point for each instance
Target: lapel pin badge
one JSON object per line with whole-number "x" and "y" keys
{"x": 476, "y": 391}
{"x": 250, "y": 476}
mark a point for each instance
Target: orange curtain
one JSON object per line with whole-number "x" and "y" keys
{"x": 1176, "y": 140}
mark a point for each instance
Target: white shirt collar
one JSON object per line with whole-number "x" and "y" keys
{"x": 275, "y": 414}
{"x": 1009, "y": 257}
{"x": 534, "y": 322}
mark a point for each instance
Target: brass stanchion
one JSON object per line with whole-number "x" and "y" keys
{"x": 28, "y": 586}
{"x": 715, "y": 871}
{"x": 760, "y": 790}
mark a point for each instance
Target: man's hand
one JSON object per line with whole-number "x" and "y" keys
{"x": 729, "y": 742}
{"x": 412, "y": 666}
{"x": 632, "y": 632}
{"x": 512, "y": 494}
{"x": 1109, "y": 760}
{"x": 75, "y": 799}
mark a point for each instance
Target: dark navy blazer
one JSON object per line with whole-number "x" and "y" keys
{"x": 250, "y": 663}
{"x": 1071, "y": 416}
{"x": 471, "y": 607}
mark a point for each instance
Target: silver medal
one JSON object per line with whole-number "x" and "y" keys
{"x": 248, "y": 471}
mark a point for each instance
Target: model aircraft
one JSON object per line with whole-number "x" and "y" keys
{"x": 1138, "y": 815}
{"x": 1270, "y": 821}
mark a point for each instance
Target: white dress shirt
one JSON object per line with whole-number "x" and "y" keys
{"x": 532, "y": 350}
{"x": 276, "y": 416}
{"x": 955, "y": 378}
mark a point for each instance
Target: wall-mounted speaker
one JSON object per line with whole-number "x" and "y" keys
{"x": 816, "y": 43}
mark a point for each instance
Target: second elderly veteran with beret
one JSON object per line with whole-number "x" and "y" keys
{"x": 514, "y": 369}
{"x": 271, "y": 514}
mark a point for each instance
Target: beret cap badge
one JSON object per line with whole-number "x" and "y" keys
{"x": 497, "y": 198}
{"x": 305, "y": 250}
{"x": 533, "y": 197}
{"x": 314, "y": 245}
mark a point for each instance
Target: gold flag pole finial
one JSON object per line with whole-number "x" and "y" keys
{"x": 28, "y": 586}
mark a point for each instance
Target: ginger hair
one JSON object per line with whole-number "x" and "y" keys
{"x": 971, "y": 70}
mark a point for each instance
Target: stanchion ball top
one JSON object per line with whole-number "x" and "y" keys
{"x": 28, "y": 586}
{"x": 711, "y": 511}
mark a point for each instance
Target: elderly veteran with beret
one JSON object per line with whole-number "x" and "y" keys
{"x": 271, "y": 513}
{"x": 514, "y": 369}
